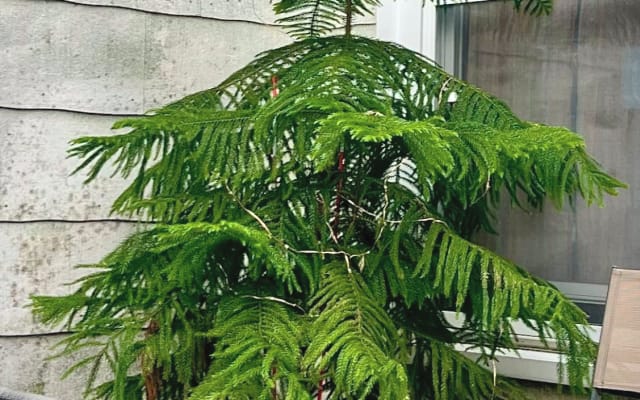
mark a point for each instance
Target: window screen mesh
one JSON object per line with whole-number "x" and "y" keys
{"x": 579, "y": 68}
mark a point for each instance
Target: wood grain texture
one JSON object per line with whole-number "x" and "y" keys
{"x": 618, "y": 364}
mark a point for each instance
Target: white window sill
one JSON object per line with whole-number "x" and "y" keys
{"x": 533, "y": 362}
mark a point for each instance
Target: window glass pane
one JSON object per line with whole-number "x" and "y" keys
{"x": 579, "y": 68}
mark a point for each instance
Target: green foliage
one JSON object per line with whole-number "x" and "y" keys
{"x": 354, "y": 339}
{"x": 168, "y": 279}
{"x": 263, "y": 339}
{"x": 454, "y": 373}
{"x": 534, "y": 6}
{"x": 315, "y": 18}
{"x": 313, "y": 241}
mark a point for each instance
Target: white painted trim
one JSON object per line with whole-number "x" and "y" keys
{"x": 409, "y": 23}
{"x": 522, "y": 330}
{"x": 531, "y": 365}
{"x": 533, "y": 362}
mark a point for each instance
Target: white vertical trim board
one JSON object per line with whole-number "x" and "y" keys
{"x": 409, "y": 23}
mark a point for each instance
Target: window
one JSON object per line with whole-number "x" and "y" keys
{"x": 579, "y": 68}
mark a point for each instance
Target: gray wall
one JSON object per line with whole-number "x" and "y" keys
{"x": 71, "y": 68}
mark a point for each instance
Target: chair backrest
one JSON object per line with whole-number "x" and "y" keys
{"x": 618, "y": 364}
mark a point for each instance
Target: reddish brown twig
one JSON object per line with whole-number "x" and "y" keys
{"x": 274, "y": 389}
{"x": 338, "y": 204}
{"x": 151, "y": 372}
{"x": 274, "y": 87}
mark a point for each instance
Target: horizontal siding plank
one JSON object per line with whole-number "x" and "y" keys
{"x": 258, "y": 11}
{"x": 116, "y": 61}
{"x": 255, "y": 11}
{"x": 35, "y": 181}
{"x": 38, "y": 258}
{"x": 25, "y": 368}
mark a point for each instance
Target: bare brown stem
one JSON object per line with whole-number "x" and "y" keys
{"x": 348, "y": 10}
{"x": 151, "y": 373}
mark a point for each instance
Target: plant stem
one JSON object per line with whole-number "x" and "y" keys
{"x": 338, "y": 203}
{"x": 348, "y": 10}
{"x": 274, "y": 389}
{"x": 151, "y": 372}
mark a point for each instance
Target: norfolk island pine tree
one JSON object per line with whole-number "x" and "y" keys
{"x": 311, "y": 223}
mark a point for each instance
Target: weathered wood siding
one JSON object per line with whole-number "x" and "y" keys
{"x": 72, "y": 68}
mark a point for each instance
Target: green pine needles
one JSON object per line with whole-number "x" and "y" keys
{"x": 306, "y": 241}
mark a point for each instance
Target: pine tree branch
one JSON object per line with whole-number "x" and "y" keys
{"x": 242, "y": 185}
